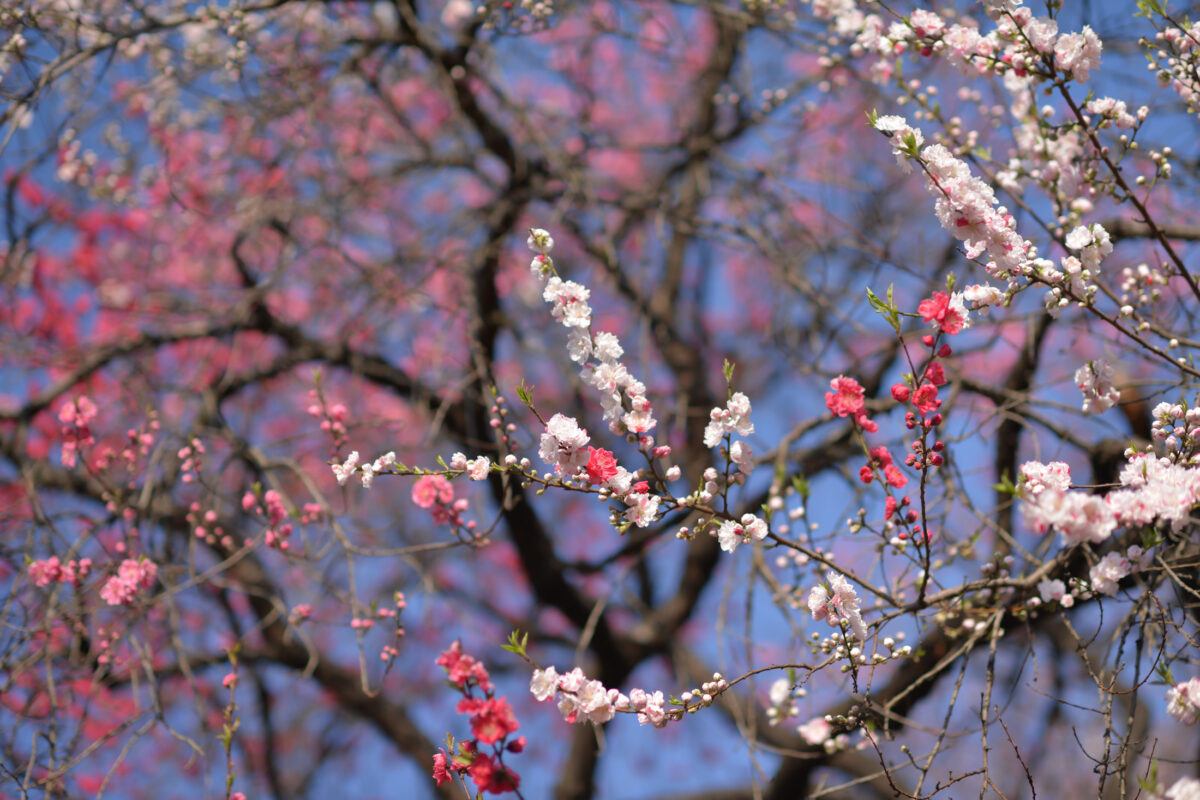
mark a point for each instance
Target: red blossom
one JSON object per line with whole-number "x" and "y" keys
{"x": 601, "y": 465}
{"x": 846, "y": 399}
{"x": 881, "y": 459}
{"x": 866, "y": 423}
{"x": 491, "y": 720}
{"x": 900, "y": 392}
{"x": 935, "y": 374}
{"x": 441, "y": 775}
{"x": 881, "y": 455}
{"x": 937, "y": 309}
{"x": 926, "y": 398}
{"x": 491, "y": 776}
{"x": 461, "y": 668}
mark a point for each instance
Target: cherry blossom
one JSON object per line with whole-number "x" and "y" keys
{"x": 1183, "y": 701}
{"x": 133, "y": 576}
{"x": 1182, "y": 789}
{"x": 1095, "y": 382}
{"x": 1106, "y": 575}
{"x": 430, "y": 489}
{"x": 478, "y": 468}
{"x": 836, "y": 603}
{"x": 947, "y": 315}
{"x": 816, "y": 731}
{"x": 846, "y": 399}
{"x": 749, "y": 529}
{"x": 734, "y": 418}
{"x": 564, "y": 445}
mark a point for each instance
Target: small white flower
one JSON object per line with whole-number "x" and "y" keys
{"x": 780, "y": 691}
{"x": 478, "y": 468}
{"x": 343, "y": 471}
{"x": 540, "y": 241}
{"x": 1183, "y": 701}
{"x": 1051, "y": 590}
{"x": 890, "y": 123}
{"x": 544, "y": 683}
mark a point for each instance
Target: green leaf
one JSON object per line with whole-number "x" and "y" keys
{"x": 1006, "y": 486}
{"x": 887, "y": 310}
{"x": 801, "y": 485}
{"x": 525, "y": 393}
{"x": 727, "y": 369}
{"x": 875, "y": 302}
{"x": 1147, "y": 8}
{"x": 517, "y": 643}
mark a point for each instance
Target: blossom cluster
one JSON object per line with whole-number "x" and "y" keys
{"x": 477, "y": 468}
{"x": 333, "y": 417}
{"x": 1175, "y": 426}
{"x": 1106, "y": 575}
{"x": 1074, "y": 279}
{"x": 368, "y": 472}
{"x": 564, "y": 444}
{"x": 581, "y": 699}
{"x": 1155, "y": 489}
{"x": 492, "y": 723}
{"x": 733, "y": 418}
{"x": 76, "y": 417}
{"x": 46, "y": 571}
{"x": 836, "y": 603}
{"x": 968, "y": 208}
{"x": 1103, "y": 578}
{"x": 273, "y": 508}
{"x": 1078, "y": 517}
{"x": 1177, "y": 59}
{"x": 1152, "y": 489}
{"x": 132, "y": 576}
{"x": 1021, "y": 44}
{"x": 623, "y": 397}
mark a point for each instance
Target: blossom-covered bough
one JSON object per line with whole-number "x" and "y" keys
{"x": 813, "y": 380}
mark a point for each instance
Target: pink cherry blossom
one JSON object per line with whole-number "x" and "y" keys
{"x": 846, "y": 399}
